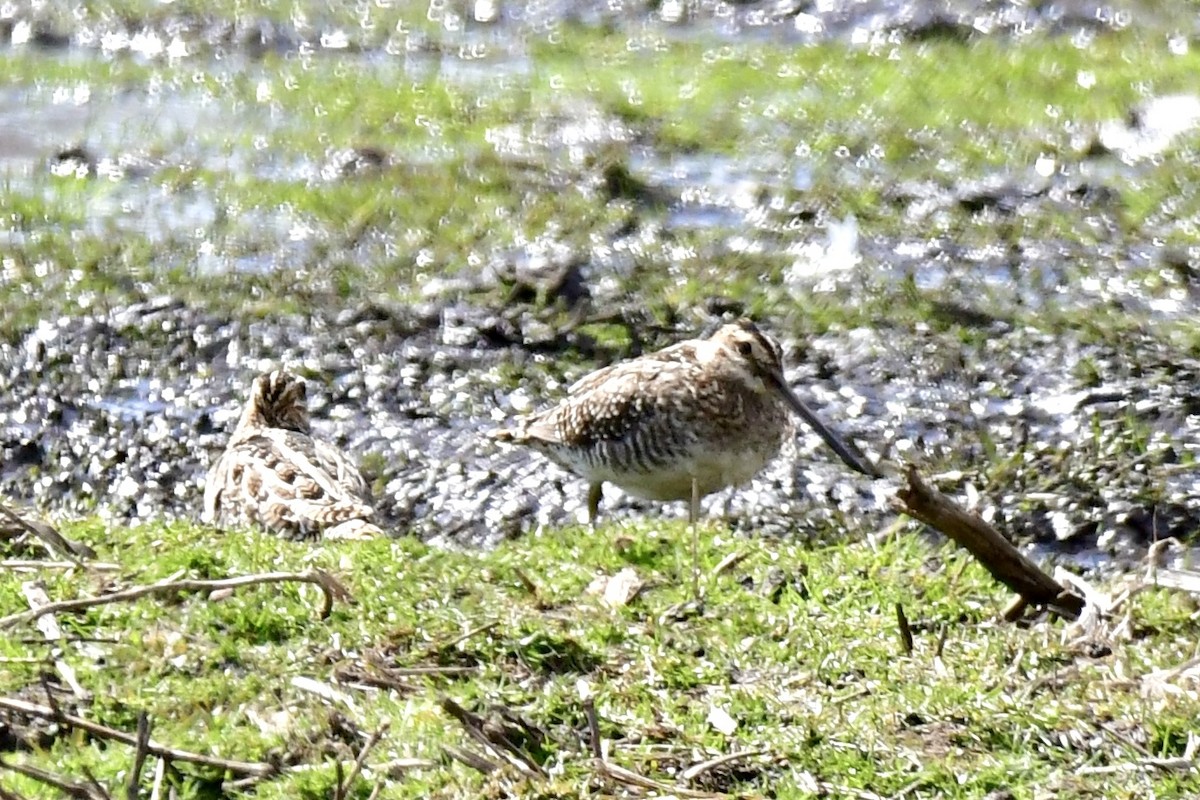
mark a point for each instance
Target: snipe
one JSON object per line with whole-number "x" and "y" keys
{"x": 679, "y": 423}
{"x": 275, "y": 474}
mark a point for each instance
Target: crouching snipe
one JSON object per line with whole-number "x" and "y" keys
{"x": 275, "y": 474}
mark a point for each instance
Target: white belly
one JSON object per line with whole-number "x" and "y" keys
{"x": 712, "y": 472}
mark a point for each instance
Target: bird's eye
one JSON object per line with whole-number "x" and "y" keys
{"x": 744, "y": 348}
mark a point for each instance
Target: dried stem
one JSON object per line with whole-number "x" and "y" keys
{"x": 54, "y": 541}
{"x": 142, "y": 749}
{"x": 362, "y": 757}
{"x": 906, "y": 636}
{"x": 1007, "y": 565}
{"x": 67, "y": 786}
{"x": 255, "y": 768}
{"x": 331, "y": 590}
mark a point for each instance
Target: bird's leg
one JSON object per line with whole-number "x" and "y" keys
{"x": 595, "y": 492}
{"x": 693, "y": 513}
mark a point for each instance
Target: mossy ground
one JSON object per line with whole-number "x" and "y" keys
{"x": 797, "y": 644}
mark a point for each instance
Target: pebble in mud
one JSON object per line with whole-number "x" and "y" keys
{"x": 94, "y": 417}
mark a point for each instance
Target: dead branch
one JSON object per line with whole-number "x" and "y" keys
{"x": 67, "y": 786}
{"x": 141, "y": 750}
{"x": 434, "y": 650}
{"x": 35, "y": 595}
{"x": 631, "y": 778}
{"x": 33, "y": 565}
{"x": 696, "y": 770}
{"x": 730, "y": 561}
{"x": 97, "y": 788}
{"x": 492, "y": 737}
{"x": 1177, "y": 764}
{"x": 627, "y": 776}
{"x": 589, "y": 708}
{"x": 46, "y": 533}
{"x": 343, "y": 788}
{"x": 373, "y": 672}
{"x": 160, "y": 774}
{"x": 990, "y": 548}
{"x": 472, "y": 760}
{"x": 528, "y": 585}
{"x": 255, "y": 768}
{"x": 338, "y": 774}
{"x": 330, "y": 587}
{"x": 905, "y": 630}
{"x": 326, "y": 692}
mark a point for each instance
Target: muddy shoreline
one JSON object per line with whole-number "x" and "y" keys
{"x": 122, "y": 414}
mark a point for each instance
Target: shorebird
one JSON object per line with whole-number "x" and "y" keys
{"x": 275, "y": 474}
{"x": 679, "y": 423}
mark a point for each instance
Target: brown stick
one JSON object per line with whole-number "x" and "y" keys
{"x": 54, "y": 541}
{"x": 330, "y": 588}
{"x": 906, "y": 636}
{"x": 471, "y": 759}
{"x": 142, "y": 749}
{"x": 68, "y": 787}
{"x": 474, "y": 725}
{"x": 990, "y": 548}
{"x": 255, "y": 768}
{"x": 434, "y": 650}
{"x": 99, "y": 790}
{"x": 593, "y": 722}
{"x": 343, "y": 788}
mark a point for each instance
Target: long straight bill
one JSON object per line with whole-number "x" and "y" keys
{"x": 853, "y": 460}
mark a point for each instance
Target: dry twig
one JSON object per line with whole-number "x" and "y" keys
{"x": 696, "y": 770}
{"x": 68, "y": 787}
{"x": 33, "y": 565}
{"x": 344, "y": 787}
{"x": 496, "y": 740}
{"x": 141, "y": 750}
{"x": 473, "y": 760}
{"x": 255, "y": 768}
{"x": 35, "y": 595}
{"x": 1006, "y": 564}
{"x": 47, "y": 534}
{"x": 727, "y": 563}
{"x": 434, "y": 650}
{"x": 905, "y": 630}
{"x": 331, "y": 590}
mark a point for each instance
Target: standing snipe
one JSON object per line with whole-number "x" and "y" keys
{"x": 679, "y": 423}
{"x": 275, "y": 474}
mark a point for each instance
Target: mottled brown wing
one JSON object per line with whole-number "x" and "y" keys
{"x": 279, "y": 479}
{"x": 217, "y": 485}
{"x": 344, "y": 471}
{"x": 623, "y": 400}
{"x": 679, "y": 353}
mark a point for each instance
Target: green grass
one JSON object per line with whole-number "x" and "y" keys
{"x": 797, "y": 644}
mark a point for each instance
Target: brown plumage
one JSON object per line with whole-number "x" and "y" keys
{"x": 273, "y": 472}
{"x": 679, "y": 423}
